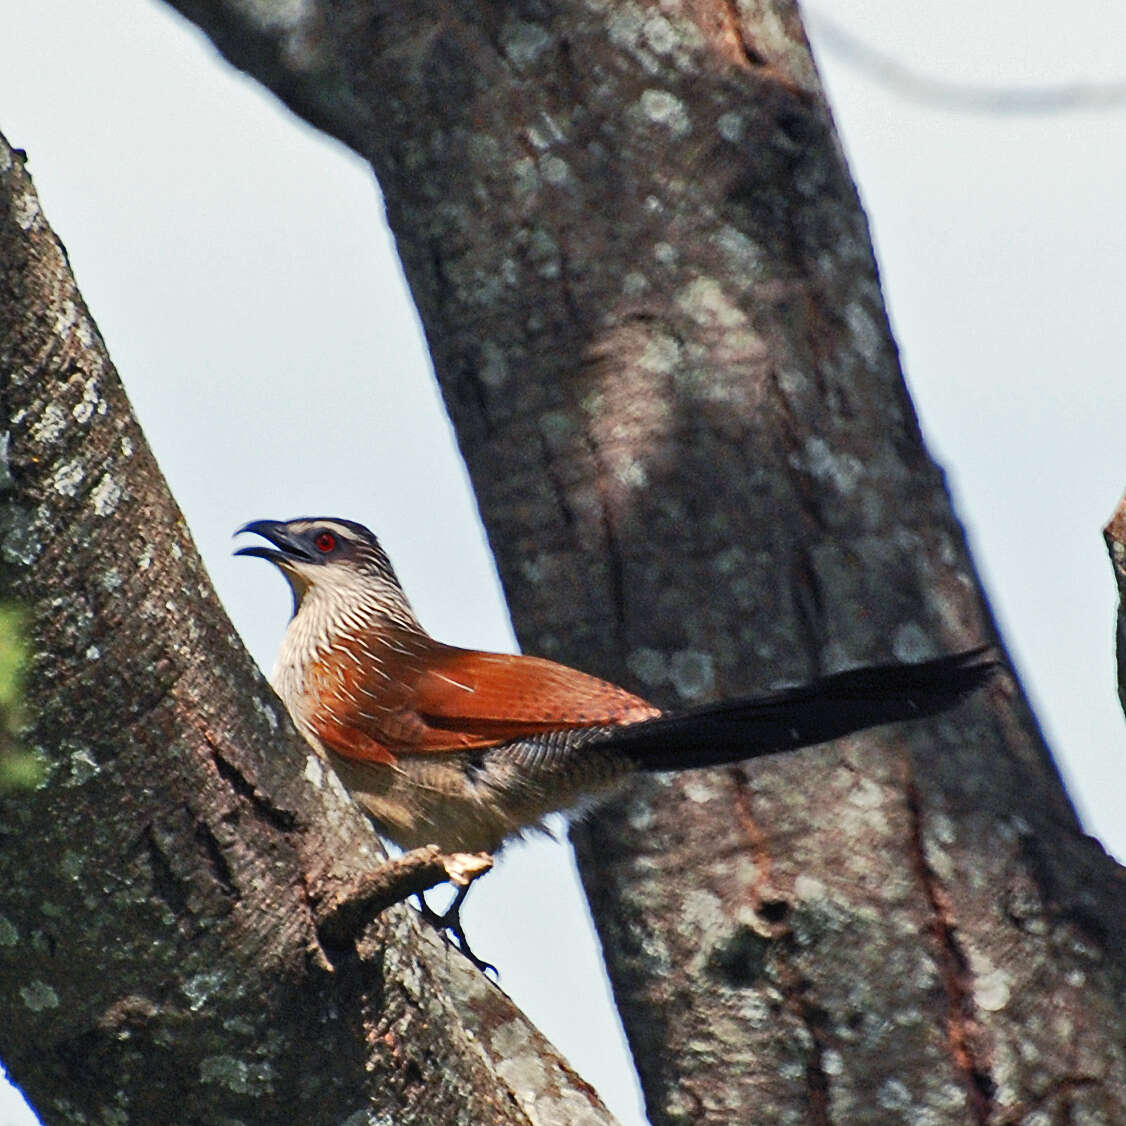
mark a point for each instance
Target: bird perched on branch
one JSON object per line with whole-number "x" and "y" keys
{"x": 466, "y": 749}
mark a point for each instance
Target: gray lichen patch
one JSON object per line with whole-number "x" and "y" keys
{"x": 314, "y": 772}
{"x": 91, "y": 401}
{"x": 992, "y": 986}
{"x": 38, "y": 996}
{"x": 664, "y": 108}
{"x": 868, "y": 338}
{"x": 106, "y": 495}
{"x": 554, "y": 169}
{"x": 526, "y": 177}
{"x": 25, "y": 210}
{"x": 9, "y": 935}
{"x": 50, "y": 426}
{"x": 706, "y": 303}
{"x": 692, "y": 673}
{"x": 652, "y": 38}
{"x": 743, "y": 253}
{"x": 68, "y": 478}
{"x": 83, "y": 766}
{"x": 510, "y": 1039}
{"x": 267, "y": 710}
{"x": 523, "y": 42}
{"x": 201, "y": 988}
{"x": 661, "y": 354}
{"x": 911, "y": 643}
{"x": 567, "y": 1109}
{"x": 893, "y": 1094}
{"x": 277, "y": 15}
{"x": 494, "y": 365}
{"x": 244, "y": 1077}
{"x": 731, "y": 125}
{"x": 650, "y": 666}
{"x": 6, "y": 479}
{"x": 843, "y": 470}
{"x": 631, "y": 473}
{"x": 633, "y": 284}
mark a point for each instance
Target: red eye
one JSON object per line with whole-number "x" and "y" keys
{"x": 325, "y": 542}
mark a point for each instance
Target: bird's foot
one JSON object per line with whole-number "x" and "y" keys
{"x": 448, "y": 925}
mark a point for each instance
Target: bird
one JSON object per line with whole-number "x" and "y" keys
{"x": 467, "y": 749}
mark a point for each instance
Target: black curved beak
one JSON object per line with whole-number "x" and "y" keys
{"x": 287, "y": 546}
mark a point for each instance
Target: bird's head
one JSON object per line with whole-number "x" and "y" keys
{"x": 340, "y": 560}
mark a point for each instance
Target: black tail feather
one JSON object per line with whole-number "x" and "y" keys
{"x": 799, "y": 717}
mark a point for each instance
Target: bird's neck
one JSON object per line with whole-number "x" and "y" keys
{"x": 330, "y": 616}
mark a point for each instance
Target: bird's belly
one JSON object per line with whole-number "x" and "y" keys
{"x": 472, "y": 802}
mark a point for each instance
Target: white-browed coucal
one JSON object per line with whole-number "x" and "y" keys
{"x": 466, "y": 749}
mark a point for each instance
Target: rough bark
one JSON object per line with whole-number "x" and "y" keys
{"x": 1115, "y": 536}
{"x": 160, "y": 884}
{"x": 654, "y": 312}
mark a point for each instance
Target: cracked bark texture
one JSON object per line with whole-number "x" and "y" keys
{"x": 159, "y": 888}
{"x": 653, "y": 309}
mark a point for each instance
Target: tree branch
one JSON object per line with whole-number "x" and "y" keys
{"x": 1115, "y": 536}
{"x": 655, "y": 315}
{"x": 343, "y": 915}
{"x": 159, "y": 951}
{"x": 941, "y": 93}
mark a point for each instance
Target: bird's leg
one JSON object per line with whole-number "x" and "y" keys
{"x": 449, "y": 923}
{"x": 343, "y": 913}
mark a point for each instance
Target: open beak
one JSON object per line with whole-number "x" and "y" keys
{"x": 287, "y": 548}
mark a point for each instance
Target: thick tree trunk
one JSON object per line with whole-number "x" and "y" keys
{"x": 161, "y": 868}
{"x": 653, "y": 308}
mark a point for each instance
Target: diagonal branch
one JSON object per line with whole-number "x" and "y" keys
{"x": 160, "y": 875}
{"x": 942, "y": 93}
{"x": 1114, "y": 534}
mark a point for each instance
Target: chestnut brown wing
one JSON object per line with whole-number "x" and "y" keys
{"x": 388, "y": 693}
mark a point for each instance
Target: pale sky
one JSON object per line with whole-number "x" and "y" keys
{"x": 239, "y": 270}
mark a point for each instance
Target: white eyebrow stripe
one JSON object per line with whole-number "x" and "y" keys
{"x": 304, "y": 526}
